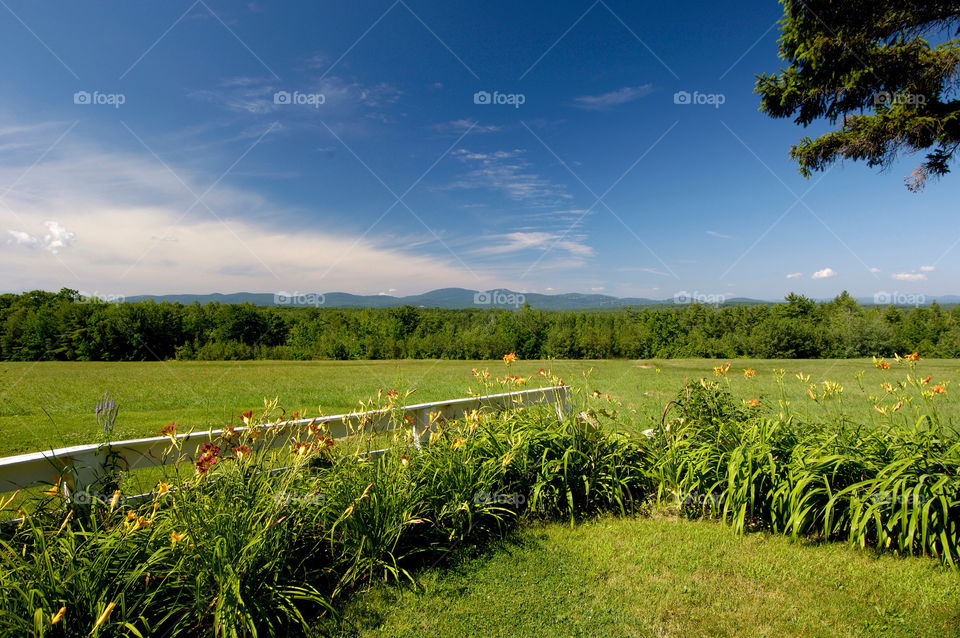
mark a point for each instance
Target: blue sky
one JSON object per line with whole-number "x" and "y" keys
{"x": 180, "y": 146}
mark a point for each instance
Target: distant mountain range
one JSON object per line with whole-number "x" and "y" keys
{"x": 499, "y": 298}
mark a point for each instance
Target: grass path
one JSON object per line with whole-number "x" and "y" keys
{"x": 667, "y": 577}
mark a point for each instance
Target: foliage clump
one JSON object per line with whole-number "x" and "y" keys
{"x": 886, "y": 69}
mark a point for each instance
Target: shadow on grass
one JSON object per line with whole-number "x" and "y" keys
{"x": 368, "y": 609}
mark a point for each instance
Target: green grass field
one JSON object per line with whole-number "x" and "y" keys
{"x": 665, "y": 577}
{"x": 50, "y": 404}
{"x": 636, "y": 576}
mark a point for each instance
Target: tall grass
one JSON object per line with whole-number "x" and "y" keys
{"x": 893, "y": 484}
{"x": 246, "y": 540}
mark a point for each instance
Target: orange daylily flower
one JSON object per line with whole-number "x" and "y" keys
{"x": 106, "y": 614}
{"x": 509, "y": 358}
{"x": 749, "y": 372}
{"x": 300, "y": 448}
{"x": 137, "y": 522}
{"x": 53, "y": 490}
{"x": 939, "y": 389}
{"x": 209, "y": 456}
{"x": 754, "y": 402}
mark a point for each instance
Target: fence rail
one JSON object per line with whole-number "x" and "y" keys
{"x": 82, "y": 465}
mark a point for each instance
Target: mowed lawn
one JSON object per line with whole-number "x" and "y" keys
{"x": 665, "y": 577}
{"x": 51, "y": 404}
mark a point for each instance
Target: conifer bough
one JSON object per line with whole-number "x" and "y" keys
{"x": 886, "y": 70}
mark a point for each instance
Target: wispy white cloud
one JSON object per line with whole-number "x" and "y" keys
{"x": 57, "y": 237}
{"x": 611, "y": 99}
{"x": 535, "y": 240}
{"x": 342, "y": 99}
{"x": 874, "y": 270}
{"x": 124, "y": 224}
{"x": 461, "y": 126}
{"x": 720, "y": 235}
{"x": 318, "y": 61}
{"x": 795, "y": 275}
{"x": 914, "y": 275}
{"x": 909, "y": 276}
{"x": 54, "y": 240}
{"x": 654, "y": 271}
{"x": 511, "y": 174}
{"x": 826, "y": 273}
{"x": 21, "y": 238}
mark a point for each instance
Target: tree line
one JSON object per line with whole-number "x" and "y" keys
{"x": 45, "y": 326}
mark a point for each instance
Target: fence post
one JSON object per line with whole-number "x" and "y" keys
{"x": 563, "y": 402}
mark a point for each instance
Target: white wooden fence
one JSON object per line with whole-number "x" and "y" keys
{"x": 77, "y": 466}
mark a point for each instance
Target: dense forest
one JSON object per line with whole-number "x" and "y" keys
{"x": 64, "y": 326}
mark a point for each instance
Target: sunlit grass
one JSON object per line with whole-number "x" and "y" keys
{"x": 665, "y": 577}
{"x": 44, "y": 405}
{"x": 238, "y": 547}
